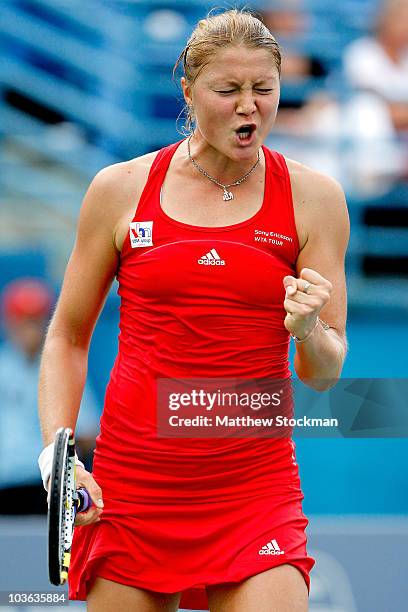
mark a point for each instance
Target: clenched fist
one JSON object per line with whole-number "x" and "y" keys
{"x": 304, "y": 299}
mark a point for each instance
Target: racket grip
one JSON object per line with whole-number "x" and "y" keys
{"x": 84, "y": 500}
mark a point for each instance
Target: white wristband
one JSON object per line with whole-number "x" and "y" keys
{"x": 45, "y": 463}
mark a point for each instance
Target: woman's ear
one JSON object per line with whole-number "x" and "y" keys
{"x": 186, "y": 92}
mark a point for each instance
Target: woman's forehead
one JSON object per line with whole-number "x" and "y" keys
{"x": 234, "y": 62}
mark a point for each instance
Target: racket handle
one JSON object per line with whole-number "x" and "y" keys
{"x": 84, "y": 500}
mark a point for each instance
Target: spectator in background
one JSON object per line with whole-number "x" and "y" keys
{"x": 290, "y": 23}
{"x": 350, "y": 138}
{"x": 26, "y": 306}
{"x": 379, "y": 63}
{"x": 345, "y": 133}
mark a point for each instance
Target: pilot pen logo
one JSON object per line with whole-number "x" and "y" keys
{"x": 141, "y": 233}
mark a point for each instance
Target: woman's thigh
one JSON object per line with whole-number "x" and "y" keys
{"x": 108, "y": 596}
{"x": 280, "y": 589}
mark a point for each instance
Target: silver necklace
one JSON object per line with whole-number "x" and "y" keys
{"x": 227, "y": 195}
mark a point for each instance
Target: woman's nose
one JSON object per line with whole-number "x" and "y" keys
{"x": 246, "y": 103}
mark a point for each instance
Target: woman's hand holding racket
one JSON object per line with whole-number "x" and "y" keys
{"x": 85, "y": 480}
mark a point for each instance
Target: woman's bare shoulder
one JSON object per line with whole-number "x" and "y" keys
{"x": 126, "y": 175}
{"x": 114, "y": 193}
{"x": 312, "y": 186}
{"x": 319, "y": 202}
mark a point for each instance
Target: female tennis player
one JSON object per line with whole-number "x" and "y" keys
{"x": 201, "y": 296}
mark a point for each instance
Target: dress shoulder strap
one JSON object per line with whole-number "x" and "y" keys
{"x": 156, "y": 176}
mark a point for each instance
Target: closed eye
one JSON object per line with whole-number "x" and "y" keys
{"x": 229, "y": 91}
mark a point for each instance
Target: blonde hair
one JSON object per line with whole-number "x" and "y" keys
{"x": 232, "y": 27}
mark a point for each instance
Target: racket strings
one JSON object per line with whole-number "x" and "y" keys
{"x": 69, "y": 505}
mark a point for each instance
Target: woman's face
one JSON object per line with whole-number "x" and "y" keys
{"x": 238, "y": 90}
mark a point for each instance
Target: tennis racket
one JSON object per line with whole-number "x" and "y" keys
{"x": 64, "y": 503}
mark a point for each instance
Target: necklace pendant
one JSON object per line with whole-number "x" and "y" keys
{"x": 228, "y": 195}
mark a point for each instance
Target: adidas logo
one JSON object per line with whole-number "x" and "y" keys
{"x": 211, "y": 259}
{"x": 271, "y": 548}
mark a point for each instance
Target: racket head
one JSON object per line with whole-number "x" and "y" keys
{"x": 61, "y": 509}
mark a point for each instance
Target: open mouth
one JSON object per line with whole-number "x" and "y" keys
{"x": 245, "y": 131}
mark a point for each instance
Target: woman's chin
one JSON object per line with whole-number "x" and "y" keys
{"x": 247, "y": 152}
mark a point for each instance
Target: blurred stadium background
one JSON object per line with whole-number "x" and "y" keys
{"x": 87, "y": 84}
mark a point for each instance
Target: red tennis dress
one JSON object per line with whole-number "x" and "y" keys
{"x": 184, "y": 513}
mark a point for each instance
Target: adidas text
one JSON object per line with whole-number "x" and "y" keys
{"x": 212, "y": 262}
{"x": 271, "y": 552}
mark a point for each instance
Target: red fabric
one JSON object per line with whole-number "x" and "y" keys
{"x": 183, "y": 513}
